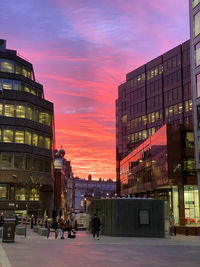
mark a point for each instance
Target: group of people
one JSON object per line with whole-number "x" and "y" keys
{"x": 61, "y": 226}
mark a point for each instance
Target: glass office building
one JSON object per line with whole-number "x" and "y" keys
{"x": 26, "y": 137}
{"x": 163, "y": 167}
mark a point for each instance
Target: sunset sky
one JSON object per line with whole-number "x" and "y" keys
{"x": 81, "y": 51}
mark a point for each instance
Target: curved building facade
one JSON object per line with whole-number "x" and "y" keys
{"x": 26, "y": 138}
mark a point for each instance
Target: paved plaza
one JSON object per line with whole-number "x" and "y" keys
{"x": 38, "y": 251}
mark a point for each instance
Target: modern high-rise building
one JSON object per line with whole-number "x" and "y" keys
{"x": 154, "y": 132}
{"x": 195, "y": 77}
{"x": 26, "y": 138}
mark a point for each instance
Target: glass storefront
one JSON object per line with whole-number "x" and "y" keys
{"x": 191, "y": 201}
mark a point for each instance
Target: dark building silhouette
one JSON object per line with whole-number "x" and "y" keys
{"x": 153, "y": 95}
{"x": 26, "y": 137}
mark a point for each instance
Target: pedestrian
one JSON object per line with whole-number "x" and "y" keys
{"x": 71, "y": 232}
{"x": 61, "y": 228}
{"x": 171, "y": 224}
{"x": 96, "y": 226}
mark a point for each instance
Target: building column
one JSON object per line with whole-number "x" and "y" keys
{"x": 181, "y": 204}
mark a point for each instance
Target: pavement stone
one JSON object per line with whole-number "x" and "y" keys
{"x": 36, "y": 251}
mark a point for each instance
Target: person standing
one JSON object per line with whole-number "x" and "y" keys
{"x": 96, "y": 226}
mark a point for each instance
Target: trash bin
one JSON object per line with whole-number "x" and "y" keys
{"x": 9, "y": 230}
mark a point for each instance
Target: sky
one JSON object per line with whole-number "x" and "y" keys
{"x": 81, "y": 50}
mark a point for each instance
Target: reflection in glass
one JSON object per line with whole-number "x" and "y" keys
{"x": 6, "y": 160}
{"x": 196, "y": 24}
{"x": 19, "y": 161}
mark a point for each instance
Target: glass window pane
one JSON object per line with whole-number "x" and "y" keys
{"x": 197, "y": 24}
{"x": 197, "y": 54}
{"x": 47, "y": 143}
{"x": 35, "y": 140}
{"x": 195, "y": 2}
{"x": 18, "y": 69}
{"x": 19, "y": 137}
{"x": 24, "y": 72}
{"x": 33, "y": 92}
{"x": 17, "y": 85}
{"x": 3, "y": 192}
{"x": 47, "y": 166}
{"x": 34, "y": 194}
{"x": 9, "y": 110}
{"x": 35, "y": 115}
{"x": 7, "y": 136}
{"x": 1, "y": 109}
{"x": 6, "y": 160}
{"x": 29, "y": 113}
{"x": 189, "y": 139}
{"x": 19, "y": 162}
{"x": 0, "y": 136}
{"x": 7, "y": 66}
{"x": 20, "y": 111}
{"x": 198, "y": 85}
{"x": 28, "y": 138}
{"x": 27, "y": 88}
{"x": 28, "y": 162}
{"x": 41, "y": 141}
{"x": 7, "y": 84}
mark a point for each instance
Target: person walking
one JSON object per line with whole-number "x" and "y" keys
{"x": 61, "y": 227}
{"x": 96, "y": 226}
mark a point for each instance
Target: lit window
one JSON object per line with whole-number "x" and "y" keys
{"x": 153, "y": 117}
{"x": 35, "y": 140}
{"x": 189, "y": 140}
{"x": 190, "y": 104}
{"x": 7, "y": 84}
{"x": 7, "y": 66}
{"x": 29, "y": 113}
{"x": 19, "y": 137}
{"x": 28, "y": 138}
{"x": 180, "y": 108}
{"x": 1, "y": 109}
{"x": 27, "y": 89}
{"x": 166, "y": 112}
{"x": 144, "y": 134}
{"x": 20, "y": 111}
{"x": 34, "y": 194}
{"x": 153, "y": 130}
{"x": 171, "y": 111}
{"x": 33, "y": 92}
{"x": 3, "y": 192}
{"x": 47, "y": 143}
{"x": 35, "y": 115}
{"x": 157, "y": 115}
{"x": 9, "y": 110}
{"x": 18, "y": 69}
{"x": 124, "y": 118}
{"x": 24, "y": 72}
{"x": 186, "y": 106}
{"x": 0, "y": 136}
{"x": 7, "y": 136}
{"x": 197, "y": 24}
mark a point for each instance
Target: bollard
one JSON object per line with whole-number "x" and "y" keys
{"x": 32, "y": 217}
{"x": 174, "y": 230}
{"x": 186, "y": 231}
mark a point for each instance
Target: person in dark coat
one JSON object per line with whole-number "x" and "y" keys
{"x": 96, "y": 226}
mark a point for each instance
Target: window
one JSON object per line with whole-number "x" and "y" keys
{"x": 124, "y": 118}
{"x": 189, "y": 141}
{"x": 28, "y": 138}
{"x": 29, "y": 164}
{"x": 41, "y": 141}
{"x": 0, "y": 134}
{"x": 195, "y": 2}
{"x": 180, "y": 107}
{"x": 198, "y": 85}
{"x": 35, "y": 140}
{"x": 7, "y": 84}
{"x": 6, "y": 161}
{"x": 29, "y": 113}
{"x": 45, "y": 118}
{"x": 196, "y": 24}
{"x": 3, "y": 192}
{"x": 20, "y": 111}
{"x": 197, "y": 54}
{"x": 9, "y": 110}
{"x": 19, "y": 162}
{"x": 17, "y": 85}
{"x": 1, "y": 109}
{"x": 21, "y": 194}
{"x": 34, "y": 194}
{"x": 19, "y": 137}
{"x": 27, "y": 89}
{"x": 6, "y": 65}
{"x": 143, "y": 216}
{"x": 7, "y": 136}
